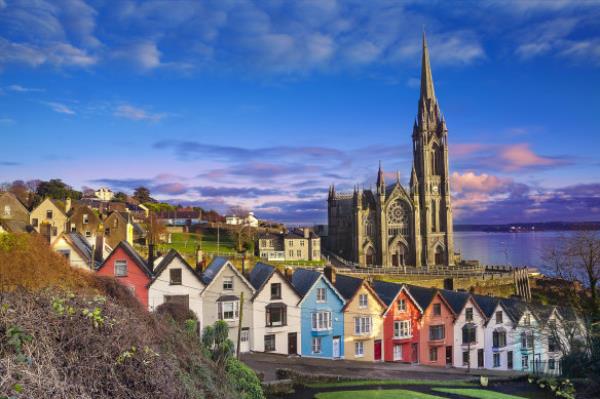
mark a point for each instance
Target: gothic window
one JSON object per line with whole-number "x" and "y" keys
{"x": 434, "y": 224}
{"x": 370, "y": 256}
{"x": 369, "y": 227}
{"x": 437, "y": 160}
{"x": 440, "y": 259}
{"x": 398, "y": 218}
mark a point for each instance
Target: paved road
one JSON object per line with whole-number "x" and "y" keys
{"x": 267, "y": 364}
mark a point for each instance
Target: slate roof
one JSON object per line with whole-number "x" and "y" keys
{"x": 541, "y": 312}
{"x": 14, "y": 226}
{"x": 487, "y": 304}
{"x": 260, "y": 274}
{"x": 386, "y": 291}
{"x": 422, "y": 295}
{"x": 303, "y": 279}
{"x": 515, "y": 308}
{"x": 211, "y": 271}
{"x": 167, "y": 259}
{"x": 455, "y": 299}
{"x": 82, "y": 246}
{"x": 347, "y": 286}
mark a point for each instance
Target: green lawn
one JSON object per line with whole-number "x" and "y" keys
{"x": 476, "y": 393}
{"x": 187, "y": 243}
{"x": 359, "y": 383}
{"x": 376, "y": 394}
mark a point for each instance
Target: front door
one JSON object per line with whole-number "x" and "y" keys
{"x": 415, "y": 353}
{"x": 245, "y": 340}
{"x": 292, "y": 344}
{"x": 377, "y": 350}
{"x": 449, "y": 356}
{"x": 336, "y": 347}
{"x": 480, "y": 358}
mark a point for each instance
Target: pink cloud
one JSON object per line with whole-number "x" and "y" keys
{"x": 463, "y": 149}
{"x": 484, "y": 183}
{"x": 519, "y": 156}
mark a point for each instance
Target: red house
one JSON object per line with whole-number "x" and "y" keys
{"x": 130, "y": 269}
{"x": 400, "y": 322}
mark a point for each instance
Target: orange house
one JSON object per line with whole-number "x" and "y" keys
{"x": 436, "y": 327}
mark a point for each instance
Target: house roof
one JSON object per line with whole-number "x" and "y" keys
{"x": 213, "y": 269}
{"x": 14, "y": 226}
{"x": 133, "y": 254}
{"x": 303, "y": 280}
{"x": 347, "y": 285}
{"x": 541, "y": 312}
{"x": 80, "y": 244}
{"x": 386, "y": 291}
{"x": 166, "y": 260}
{"x": 514, "y": 308}
{"x": 456, "y": 299}
{"x": 15, "y": 199}
{"x": 487, "y": 304}
{"x": 260, "y": 274}
{"x": 422, "y": 295}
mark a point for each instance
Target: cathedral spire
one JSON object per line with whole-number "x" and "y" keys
{"x": 380, "y": 179}
{"x": 427, "y": 91}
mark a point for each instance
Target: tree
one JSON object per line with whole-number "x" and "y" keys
{"x": 242, "y": 236}
{"x": 142, "y": 194}
{"x": 215, "y": 340}
{"x": 56, "y": 189}
{"x": 239, "y": 211}
{"x": 120, "y": 197}
{"x": 155, "y": 229}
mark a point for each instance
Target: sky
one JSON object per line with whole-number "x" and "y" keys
{"x": 264, "y": 104}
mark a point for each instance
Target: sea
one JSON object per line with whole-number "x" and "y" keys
{"x": 514, "y": 249}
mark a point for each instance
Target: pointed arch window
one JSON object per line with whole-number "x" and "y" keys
{"x": 398, "y": 218}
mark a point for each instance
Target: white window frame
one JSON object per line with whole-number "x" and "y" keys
{"x": 402, "y": 329}
{"x": 321, "y": 295}
{"x": 401, "y": 305}
{"x": 363, "y": 301}
{"x": 496, "y": 360}
{"x": 121, "y": 262}
{"x": 235, "y": 310}
{"x": 316, "y": 345}
{"x": 229, "y": 286}
{"x": 359, "y": 349}
{"x": 321, "y": 321}
{"x": 362, "y": 325}
{"x": 397, "y": 352}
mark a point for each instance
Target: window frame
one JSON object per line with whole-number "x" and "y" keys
{"x": 363, "y": 301}
{"x": 437, "y": 309}
{"x": 271, "y": 340}
{"x": 173, "y": 281}
{"x": 278, "y": 293}
{"x": 316, "y": 345}
{"x": 228, "y": 283}
{"x": 359, "y": 349}
{"x": 321, "y": 298}
{"x": 123, "y": 263}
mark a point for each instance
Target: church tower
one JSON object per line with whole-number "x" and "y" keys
{"x": 430, "y": 178}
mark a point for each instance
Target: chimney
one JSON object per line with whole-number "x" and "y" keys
{"x": 288, "y": 272}
{"x": 306, "y": 232}
{"x": 67, "y": 204}
{"x": 151, "y": 257}
{"x": 330, "y": 273}
{"x": 99, "y": 248}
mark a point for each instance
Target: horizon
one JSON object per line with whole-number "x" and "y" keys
{"x": 266, "y": 105}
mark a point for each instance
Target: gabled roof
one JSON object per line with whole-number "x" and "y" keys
{"x": 486, "y": 303}
{"x": 132, "y": 253}
{"x": 57, "y": 204}
{"x": 14, "y": 226}
{"x": 390, "y": 291}
{"x": 215, "y": 267}
{"x": 514, "y": 308}
{"x": 262, "y": 273}
{"x": 349, "y": 286}
{"x": 304, "y": 279}
{"x": 81, "y": 245}
{"x": 422, "y": 295}
{"x": 456, "y": 299}
{"x": 166, "y": 261}
{"x": 15, "y": 199}
{"x": 542, "y": 312}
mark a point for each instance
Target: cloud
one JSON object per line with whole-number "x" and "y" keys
{"x": 9, "y": 163}
{"x": 60, "y": 108}
{"x": 519, "y": 157}
{"x": 137, "y": 114}
{"x": 21, "y": 89}
{"x": 470, "y": 181}
{"x": 145, "y": 55}
{"x": 244, "y": 192}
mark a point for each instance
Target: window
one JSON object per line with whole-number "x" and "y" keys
{"x": 436, "y": 332}
{"x": 402, "y": 329}
{"x": 175, "y": 277}
{"x": 120, "y": 268}
{"x": 276, "y": 291}
{"x": 321, "y": 321}
{"x": 65, "y": 252}
{"x": 401, "y": 305}
{"x": 363, "y": 301}
{"x": 228, "y": 283}
{"x": 6, "y": 211}
{"x": 551, "y": 364}
{"x": 107, "y": 232}
{"x": 527, "y": 320}
{"x": 85, "y": 218}
{"x": 509, "y": 360}
{"x": 527, "y": 340}
{"x": 276, "y": 315}
{"x": 183, "y": 300}
{"x": 316, "y": 345}
{"x": 298, "y": 253}
{"x": 496, "y": 359}
{"x": 88, "y": 234}
{"x": 359, "y": 349}
{"x": 54, "y": 231}
{"x": 229, "y": 310}
{"x": 291, "y": 243}
{"x": 291, "y": 252}
{"x": 245, "y": 335}
{"x": 469, "y": 314}
{"x": 321, "y": 295}
{"x": 466, "y": 358}
{"x": 362, "y": 325}
{"x": 34, "y": 222}
{"x": 263, "y": 243}
{"x": 437, "y": 309}
{"x": 469, "y": 334}
{"x": 499, "y": 317}
{"x": 525, "y": 362}
{"x": 499, "y": 339}
{"x": 269, "y": 343}
{"x": 552, "y": 344}
{"x": 433, "y": 354}
{"x": 48, "y": 214}
{"x": 73, "y": 228}
{"x": 302, "y": 243}
{"x": 397, "y": 352}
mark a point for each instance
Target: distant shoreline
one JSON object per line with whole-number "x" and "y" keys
{"x": 528, "y": 227}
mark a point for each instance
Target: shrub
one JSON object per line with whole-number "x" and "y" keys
{"x": 244, "y": 379}
{"x": 175, "y": 311}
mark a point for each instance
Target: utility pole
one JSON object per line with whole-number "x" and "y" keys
{"x": 218, "y": 237}
{"x": 239, "y": 337}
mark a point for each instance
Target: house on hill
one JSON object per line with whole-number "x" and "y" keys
{"x": 527, "y": 341}
{"x": 401, "y": 322}
{"x": 322, "y": 317}
{"x": 276, "y": 319}
{"x": 175, "y": 281}
{"x": 49, "y": 219}
{"x": 363, "y": 321}
{"x": 78, "y": 251}
{"x": 11, "y": 209}
{"x": 221, "y": 297}
{"x": 130, "y": 269}
{"x": 83, "y": 220}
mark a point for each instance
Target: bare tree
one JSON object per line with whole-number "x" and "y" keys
{"x": 155, "y": 229}
{"x": 239, "y": 211}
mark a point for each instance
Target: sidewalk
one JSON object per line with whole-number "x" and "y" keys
{"x": 269, "y": 363}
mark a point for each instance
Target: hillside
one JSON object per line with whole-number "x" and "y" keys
{"x": 64, "y": 334}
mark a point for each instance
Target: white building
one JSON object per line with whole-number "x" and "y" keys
{"x": 78, "y": 251}
{"x": 276, "y": 319}
{"x": 500, "y": 338}
{"x": 235, "y": 220}
{"x": 104, "y": 194}
{"x": 175, "y": 281}
{"x": 468, "y": 347}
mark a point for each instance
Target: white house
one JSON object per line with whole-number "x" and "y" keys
{"x": 500, "y": 338}
{"x": 175, "y": 281}
{"x": 249, "y": 220}
{"x": 468, "y": 346}
{"x": 276, "y": 319}
{"x": 78, "y": 251}
{"x": 553, "y": 338}
{"x": 104, "y": 194}
{"x": 527, "y": 343}
{"x": 221, "y": 299}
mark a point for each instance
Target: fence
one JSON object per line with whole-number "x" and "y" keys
{"x": 550, "y": 368}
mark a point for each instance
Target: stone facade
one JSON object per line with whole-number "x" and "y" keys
{"x": 392, "y": 225}
{"x": 295, "y": 245}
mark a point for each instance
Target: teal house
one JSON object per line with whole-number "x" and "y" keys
{"x": 321, "y": 316}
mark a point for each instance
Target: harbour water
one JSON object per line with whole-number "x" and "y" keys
{"x": 515, "y": 249}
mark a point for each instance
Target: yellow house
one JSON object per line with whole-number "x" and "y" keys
{"x": 49, "y": 219}
{"x": 363, "y": 318}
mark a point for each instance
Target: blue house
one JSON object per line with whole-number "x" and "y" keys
{"x": 322, "y": 319}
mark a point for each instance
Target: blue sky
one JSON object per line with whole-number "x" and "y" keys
{"x": 264, "y": 104}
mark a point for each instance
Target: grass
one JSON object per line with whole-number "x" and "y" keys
{"x": 186, "y": 243}
{"x": 359, "y": 383}
{"x": 476, "y": 393}
{"x": 376, "y": 394}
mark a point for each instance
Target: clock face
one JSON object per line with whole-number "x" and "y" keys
{"x": 435, "y": 188}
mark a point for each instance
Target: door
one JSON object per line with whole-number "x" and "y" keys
{"x": 449, "y": 355}
{"x": 395, "y": 260}
{"x": 480, "y": 358}
{"x": 292, "y": 344}
{"x": 415, "y": 353}
{"x": 245, "y": 340}
{"x": 377, "y": 350}
{"x": 336, "y": 347}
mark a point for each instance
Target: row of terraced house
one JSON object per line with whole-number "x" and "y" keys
{"x": 311, "y": 313}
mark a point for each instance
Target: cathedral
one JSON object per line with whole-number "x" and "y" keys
{"x": 394, "y": 226}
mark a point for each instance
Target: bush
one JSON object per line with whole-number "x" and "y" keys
{"x": 244, "y": 380}
{"x": 116, "y": 291}
{"x": 175, "y": 311}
